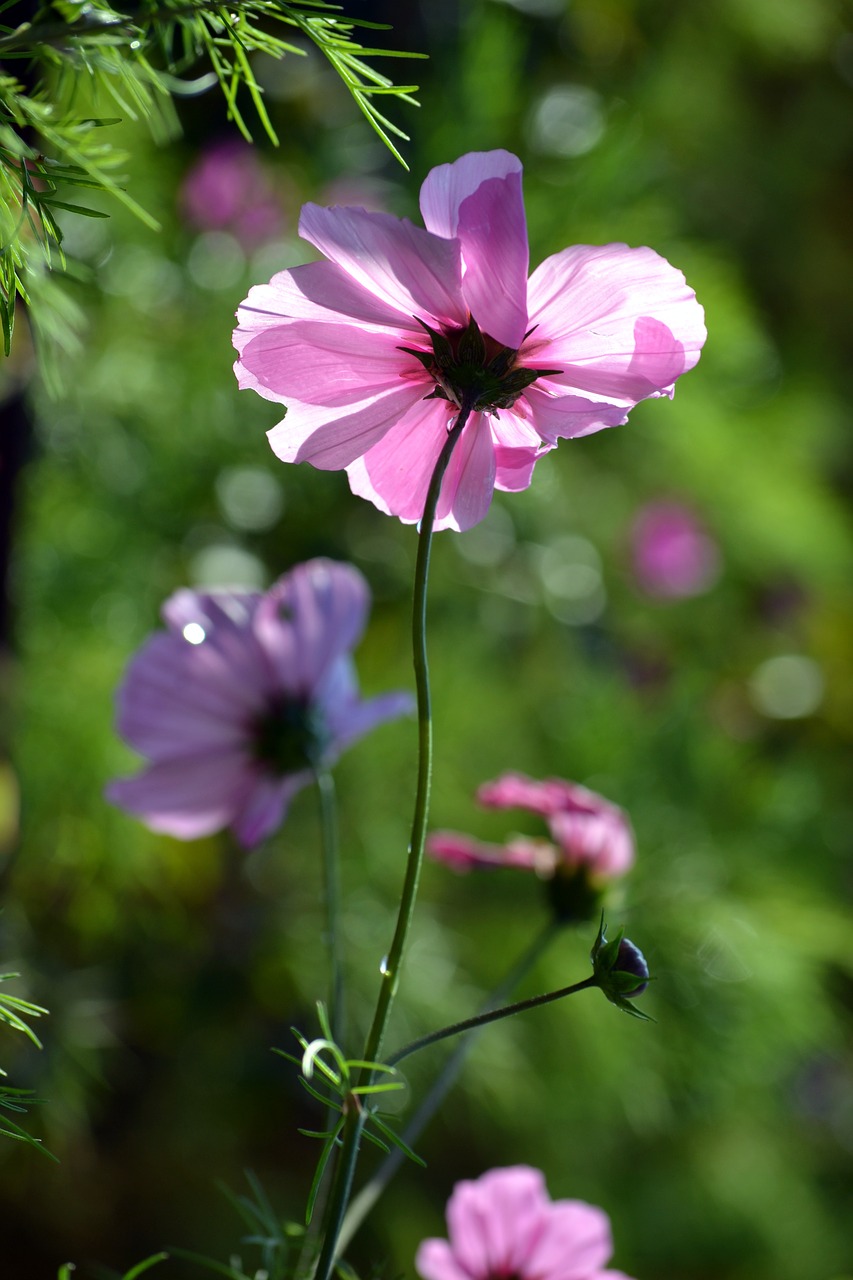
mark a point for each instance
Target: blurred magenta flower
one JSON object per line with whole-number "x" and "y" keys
{"x": 673, "y": 555}
{"x": 242, "y": 698}
{"x": 504, "y": 1226}
{"x": 227, "y": 189}
{"x": 591, "y": 842}
{"x": 587, "y": 831}
{"x": 375, "y": 349}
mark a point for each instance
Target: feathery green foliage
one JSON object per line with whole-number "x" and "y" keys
{"x": 13, "y": 1011}
{"x": 53, "y": 147}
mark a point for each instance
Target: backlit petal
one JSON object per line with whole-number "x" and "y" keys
{"x": 330, "y": 438}
{"x": 326, "y": 364}
{"x": 404, "y": 266}
{"x": 469, "y": 481}
{"x": 478, "y": 199}
{"x": 620, "y": 323}
{"x": 394, "y": 474}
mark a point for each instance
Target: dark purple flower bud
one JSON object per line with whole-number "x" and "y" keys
{"x": 620, "y": 970}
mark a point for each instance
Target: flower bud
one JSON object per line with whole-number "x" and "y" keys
{"x": 620, "y": 970}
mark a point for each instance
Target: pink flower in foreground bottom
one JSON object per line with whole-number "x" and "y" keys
{"x": 504, "y": 1226}
{"x": 375, "y": 349}
{"x": 242, "y": 698}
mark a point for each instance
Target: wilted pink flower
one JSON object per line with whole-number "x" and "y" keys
{"x": 673, "y": 555}
{"x": 242, "y": 698}
{"x": 227, "y": 189}
{"x": 504, "y": 1226}
{"x": 588, "y": 832}
{"x": 375, "y": 349}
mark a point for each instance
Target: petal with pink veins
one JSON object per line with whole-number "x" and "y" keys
{"x": 395, "y": 473}
{"x": 315, "y": 291}
{"x": 586, "y": 303}
{"x": 326, "y": 364}
{"x": 478, "y": 199}
{"x": 404, "y": 266}
{"x": 564, "y": 417}
{"x": 330, "y": 439}
{"x": 469, "y": 481}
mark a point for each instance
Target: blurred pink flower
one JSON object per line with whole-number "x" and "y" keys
{"x": 227, "y": 189}
{"x": 242, "y": 698}
{"x": 673, "y": 555}
{"x": 504, "y": 1226}
{"x": 374, "y": 349}
{"x": 588, "y": 832}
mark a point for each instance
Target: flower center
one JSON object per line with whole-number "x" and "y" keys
{"x": 470, "y": 367}
{"x": 290, "y": 736}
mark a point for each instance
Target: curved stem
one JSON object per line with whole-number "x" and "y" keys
{"x": 441, "y": 1086}
{"x": 345, "y": 1168}
{"x": 331, "y": 888}
{"x": 491, "y": 1015}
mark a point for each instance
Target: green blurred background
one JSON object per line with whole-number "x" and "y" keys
{"x": 720, "y": 1139}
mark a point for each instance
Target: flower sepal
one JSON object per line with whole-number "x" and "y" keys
{"x": 620, "y": 970}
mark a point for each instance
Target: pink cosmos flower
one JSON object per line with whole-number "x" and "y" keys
{"x": 242, "y": 698}
{"x": 673, "y": 555}
{"x": 375, "y": 349}
{"x": 505, "y": 1225}
{"x": 588, "y": 833}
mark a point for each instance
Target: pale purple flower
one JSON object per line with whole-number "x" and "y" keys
{"x": 242, "y": 698}
{"x": 588, "y": 833}
{"x": 673, "y": 554}
{"x": 504, "y": 1226}
{"x": 227, "y": 189}
{"x": 374, "y": 349}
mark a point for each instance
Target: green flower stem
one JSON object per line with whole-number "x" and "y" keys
{"x": 492, "y": 1015}
{"x": 441, "y": 1086}
{"x": 391, "y": 966}
{"x": 331, "y": 886}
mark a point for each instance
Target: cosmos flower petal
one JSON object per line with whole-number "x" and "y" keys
{"x": 463, "y": 854}
{"x": 478, "y": 199}
{"x": 517, "y": 791}
{"x": 266, "y": 806}
{"x": 309, "y": 620}
{"x": 469, "y": 481}
{"x": 563, "y": 417}
{"x": 574, "y": 1245}
{"x": 395, "y": 472}
{"x": 407, "y": 268}
{"x": 330, "y": 438}
{"x": 618, "y": 322}
{"x": 326, "y": 364}
{"x": 435, "y": 1260}
{"x": 165, "y": 710}
{"x": 315, "y": 291}
{"x": 352, "y": 723}
{"x": 514, "y": 468}
{"x": 188, "y": 797}
{"x": 492, "y": 1221}
{"x": 504, "y": 1225}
